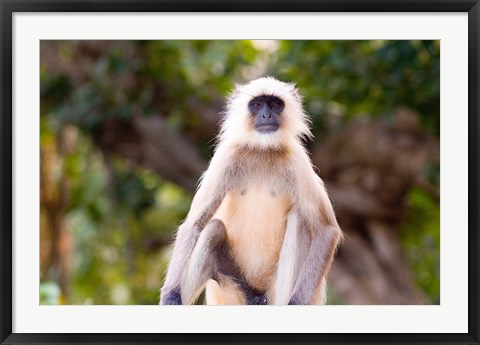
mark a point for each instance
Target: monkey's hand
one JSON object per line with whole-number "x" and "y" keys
{"x": 171, "y": 297}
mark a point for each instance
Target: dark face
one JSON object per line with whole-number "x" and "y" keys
{"x": 266, "y": 112}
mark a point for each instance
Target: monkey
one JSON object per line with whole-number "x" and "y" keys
{"x": 261, "y": 228}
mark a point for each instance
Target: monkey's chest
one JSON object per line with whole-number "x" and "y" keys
{"x": 255, "y": 219}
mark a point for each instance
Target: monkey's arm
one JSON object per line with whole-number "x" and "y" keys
{"x": 316, "y": 264}
{"x": 311, "y": 237}
{"x": 204, "y": 204}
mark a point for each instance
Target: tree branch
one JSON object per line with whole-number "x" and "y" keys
{"x": 150, "y": 142}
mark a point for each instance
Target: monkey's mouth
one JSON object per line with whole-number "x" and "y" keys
{"x": 267, "y": 128}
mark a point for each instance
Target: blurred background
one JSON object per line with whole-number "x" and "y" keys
{"x": 127, "y": 128}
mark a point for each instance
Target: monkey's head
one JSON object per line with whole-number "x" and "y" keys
{"x": 264, "y": 113}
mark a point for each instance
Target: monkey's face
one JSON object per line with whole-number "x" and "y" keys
{"x": 266, "y": 112}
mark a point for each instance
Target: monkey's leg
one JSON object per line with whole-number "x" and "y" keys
{"x": 212, "y": 259}
{"x": 229, "y": 285}
{"x": 204, "y": 204}
{"x": 204, "y": 262}
{"x": 186, "y": 239}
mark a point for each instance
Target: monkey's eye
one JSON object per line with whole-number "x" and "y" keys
{"x": 276, "y": 105}
{"x": 256, "y": 105}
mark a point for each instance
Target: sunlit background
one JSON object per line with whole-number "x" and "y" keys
{"x": 127, "y": 129}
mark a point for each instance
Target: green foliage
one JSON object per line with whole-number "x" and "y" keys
{"x": 50, "y": 293}
{"x": 113, "y": 210}
{"x": 145, "y": 78}
{"x": 364, "y": 78}
{"x": 420, "y": 237}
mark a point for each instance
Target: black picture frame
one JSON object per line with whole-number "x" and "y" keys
{"x": 8, "y": 8}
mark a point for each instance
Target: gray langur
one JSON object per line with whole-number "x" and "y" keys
{"x": 261, "y": 228}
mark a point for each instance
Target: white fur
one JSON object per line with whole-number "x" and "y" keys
{"x": 256, "y": 221}
{"x": 234, "y": 128}
{"x": 288, "y": 264}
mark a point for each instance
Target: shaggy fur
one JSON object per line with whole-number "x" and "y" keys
{"x": 278, "y": 221}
